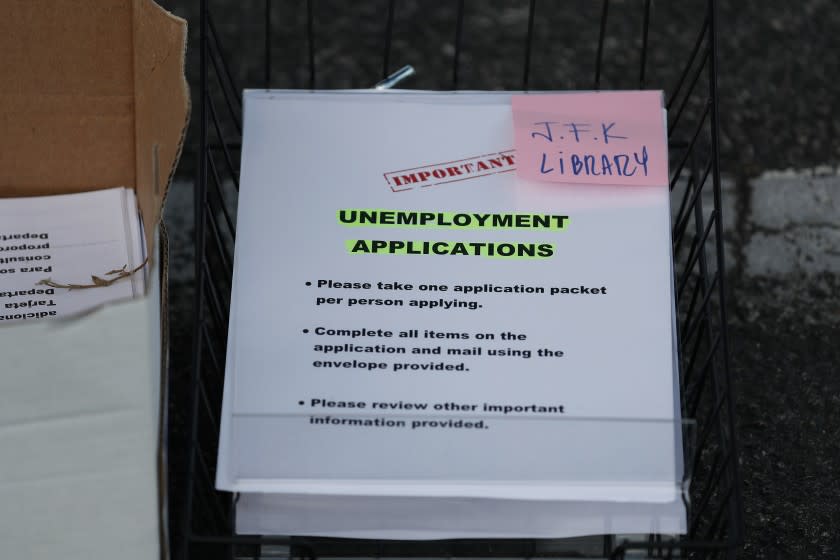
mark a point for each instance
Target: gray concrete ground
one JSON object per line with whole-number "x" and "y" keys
{"x": 778, "y": 66}
{"x": 785, "y": 304}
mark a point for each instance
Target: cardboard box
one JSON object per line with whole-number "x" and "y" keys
{"x": 92, "y": 95}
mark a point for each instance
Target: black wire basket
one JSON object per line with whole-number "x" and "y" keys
{"x": 499, "y": 44}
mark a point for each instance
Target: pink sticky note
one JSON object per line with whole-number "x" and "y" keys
{"x": 607, "y": 137}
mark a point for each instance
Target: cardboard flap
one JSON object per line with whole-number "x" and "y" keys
{"x": 92, "y": 96}
{"x": 66, "y": 96}
{"x": 161, "y": 105}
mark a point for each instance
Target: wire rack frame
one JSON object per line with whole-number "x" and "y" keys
{"x": 202, "y": 526}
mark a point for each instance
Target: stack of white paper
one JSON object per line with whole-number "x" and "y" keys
{"x": 66, "y": 254}
{"x": 424, "y": 345}
{"x": 79, "y": 396}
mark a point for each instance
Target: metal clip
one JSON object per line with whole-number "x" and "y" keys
{"x": 395, "y": 78}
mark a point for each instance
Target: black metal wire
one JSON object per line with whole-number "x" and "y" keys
{"x": 707, "y": 313}
{"x": 698, "y": 320}
{"x": 231, "y": 111}
{"x": 218, "y": 366}
{"x": 718, "y": 526}
{"x": 217, "y": 187}
{"x": 683, "y": 283}
{"x": 242, "y": 539}
{"x": 680, "y": 216}
{"x": 692, "y": 143}
{"x": 682, "y": 222}
{"x": 643, "y": 56}
{"x": 389, "y": 30}
{"x": 212, "y": 497}
{"x": 697, "y": 250}
{"x": 200, "y": 197}
{"x": 217, "y": 45}
{"x": 459, "y": 27}
{"x": 208, "y": 409}
{"x": 529, "y": 39}
{"x": 214, "y": 301}
{"x": 705, "y": 374}
{"x": 708, "y": 429}
{"x": 690, "y": 63}
{"x": 221, "y": 250}
{"x": 234, "y": 174}
{"x": 689, "y": 313}
{"x": 267, "y": 47}
{"x": 679, "y": 113}
{"x": 310, "y": 35}
{"x": 688, "y": 369}
{"x": 736, "y": 524}
{"x": 607, "y": 545}
{"x": 204, "y": 506}
{"x": 691, "y": 192}
{"x": 601, "y": 37}
{"x": 718, "y": 471}
{"x": 692, "y": 546}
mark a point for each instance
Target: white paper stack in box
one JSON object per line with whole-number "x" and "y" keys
{"x": 92, "y": 97}
{"x": 50, "y": 243}
{"x": 420, "y": 395}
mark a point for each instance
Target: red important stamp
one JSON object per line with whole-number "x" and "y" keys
{"x": 451, "y": 171}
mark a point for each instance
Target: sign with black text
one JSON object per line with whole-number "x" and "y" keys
{"x": 411, "y": 318}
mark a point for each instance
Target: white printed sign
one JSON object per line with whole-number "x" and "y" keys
{"x": 411, "y": 318}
